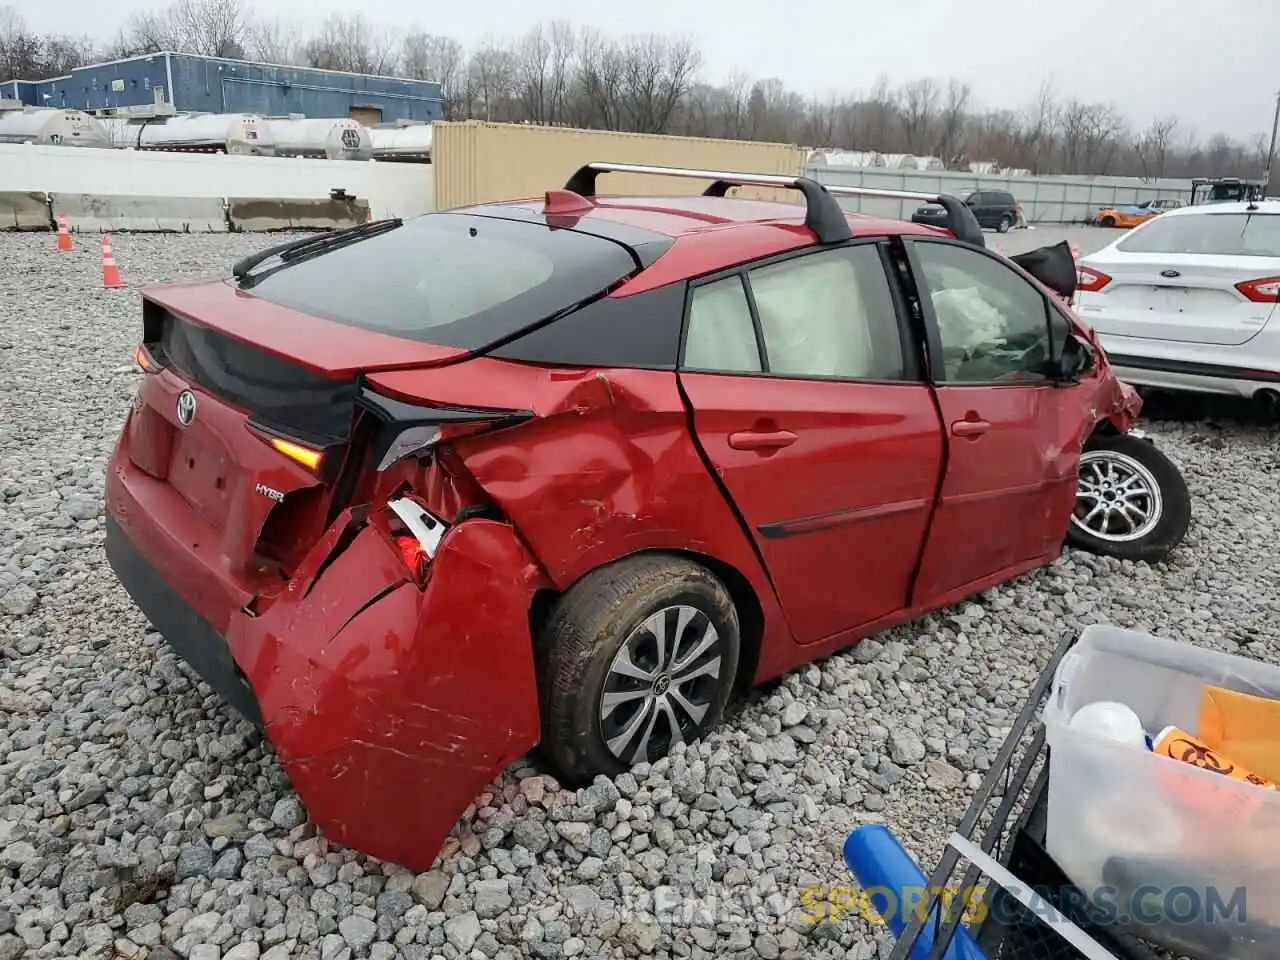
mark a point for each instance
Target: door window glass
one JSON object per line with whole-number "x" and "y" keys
{"x": 829, "y": 314}
{"x": 992, "y": 323}
{"x": 721, "y": 334}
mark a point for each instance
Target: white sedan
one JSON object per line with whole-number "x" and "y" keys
{"x": 1190, "y": 300}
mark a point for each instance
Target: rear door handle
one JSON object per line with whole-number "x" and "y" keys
{"x": 969, "y": 428}
{"x": 758, "y": 440}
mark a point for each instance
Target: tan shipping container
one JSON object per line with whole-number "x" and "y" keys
{"x": 478, "y": 162}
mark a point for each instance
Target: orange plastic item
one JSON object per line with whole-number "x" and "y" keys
{"x": 1244, "y": 727}
{"x": 1228, "y": 800}
{"x": 1180, "y": 745}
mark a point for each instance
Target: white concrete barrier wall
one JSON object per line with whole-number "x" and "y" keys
{"x": 135, "y": 190}
{"x": 1043, "y": 199}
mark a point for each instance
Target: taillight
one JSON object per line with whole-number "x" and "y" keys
{"x": 1264, "y": 290}
{"x": 417, "y": 534}
{"x": 306, "y": 456}
{"x": 309, "y": 457}
{"x": 1089, "y": 280}
{"x": 144, "y": 359}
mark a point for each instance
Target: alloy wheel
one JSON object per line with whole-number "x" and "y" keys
{"x": 1117, "y": 498}
{"x": 661, "y": 684}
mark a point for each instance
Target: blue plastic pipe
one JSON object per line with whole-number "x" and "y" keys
{"x": 897, "y": 888}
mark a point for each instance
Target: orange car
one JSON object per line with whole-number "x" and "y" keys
{"x": 1131, "y": 216}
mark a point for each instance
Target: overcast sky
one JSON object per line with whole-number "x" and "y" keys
{"x": 1215, "y": 66}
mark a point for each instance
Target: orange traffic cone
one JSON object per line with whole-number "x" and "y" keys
{"x": 110, "y": 273}
{"x": 64, "y": 235}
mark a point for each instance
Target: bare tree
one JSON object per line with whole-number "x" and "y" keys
{"x": 215, "y": 28}
{"x": 918, "y": 103}
{"x": 540, "y": 62}
{"x": 951, "y": 124}
{"x": 352, "y": 44}
{"x": 652, "y": 83}
{"x": 492, "y": 78}
{"x": 1153, "y": 148}
{"x": 656, "y": 74}
{"x": 274, "y": 41}
{"x": 599, "y": 83}
{"x": 21, "y": 54}
{"x": 424, "y": 56}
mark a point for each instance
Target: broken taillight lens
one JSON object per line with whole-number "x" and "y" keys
{"x": 417, "y": 534}
{"x": 1263, "y": 290}
{"x": 414, "y": 557}
{"x": 1089, "y": 280}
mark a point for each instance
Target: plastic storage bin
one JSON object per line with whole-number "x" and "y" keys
{"x": 1123, "y": 820}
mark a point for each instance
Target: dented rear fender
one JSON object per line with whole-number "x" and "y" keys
{"x": 391, "y": 707}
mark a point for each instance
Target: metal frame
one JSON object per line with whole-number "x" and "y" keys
{"x": 823, "y": 215}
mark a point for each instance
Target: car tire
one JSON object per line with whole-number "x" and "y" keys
{"x": 1118, "y": 469}
{"x": 1107, "y": 222}
{"x": 1004, "y": 225}
{"x": 603, "y": 633}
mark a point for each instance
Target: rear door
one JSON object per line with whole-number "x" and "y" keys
{"x": 1208, "y": 278}
{"x": 1013, "y": 437}
{"x": 808, "y": 403}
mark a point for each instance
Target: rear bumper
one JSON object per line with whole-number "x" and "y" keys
{"x": 189, "y": 635}
{"x": 390, "y": 705}
{"x": 1194, "y": 377}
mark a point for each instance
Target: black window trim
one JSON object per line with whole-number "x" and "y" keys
{"x": 912, "y": 374}
{"x": 933, "y": 339}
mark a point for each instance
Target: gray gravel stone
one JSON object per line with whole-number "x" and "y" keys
{"x": 139, "y": 814}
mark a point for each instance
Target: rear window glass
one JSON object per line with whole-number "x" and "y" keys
{"x": 454, "y": 279}
{"x": 1224, "y": 234}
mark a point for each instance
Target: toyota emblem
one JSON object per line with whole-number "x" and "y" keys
{"x": 186, "y": 407}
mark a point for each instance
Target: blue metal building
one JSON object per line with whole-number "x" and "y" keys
{"x": 217, "y": 85}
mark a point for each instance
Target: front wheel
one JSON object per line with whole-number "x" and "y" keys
{"x": 1107, "y": 222}
{"x": 1004, "y": 225}
{"x": 1131, "y": 501}
{"x": 636, "y": 657}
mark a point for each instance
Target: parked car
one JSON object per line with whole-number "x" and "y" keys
{"x": 993, "y": 209}
{"x": 1188, "y": 301}
{"x": 418, "y": 496}
{"x": 1137, "y": 213}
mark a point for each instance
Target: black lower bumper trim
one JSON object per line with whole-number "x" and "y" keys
{"x": 189, "y": 635}
{"x": 1193, "y": 369}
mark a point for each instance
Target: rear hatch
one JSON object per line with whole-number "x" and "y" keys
{"x": 1191, "y": 278}
{"x": 276, "y": 362}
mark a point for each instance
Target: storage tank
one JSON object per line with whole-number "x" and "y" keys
{"x": 407, "y": 143}
{"x": 846, "y": 158}
{"x": 325, "y": 138}
{"x": 900, "y": 161}
{"x": 60, "y": 128}
{"x": 931, "y": 164}
{"x": 233, "y": 133}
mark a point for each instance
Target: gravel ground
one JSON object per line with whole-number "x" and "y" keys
{"x": 138, "y": 815}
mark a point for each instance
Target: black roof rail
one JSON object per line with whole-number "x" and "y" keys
{"x": 823, "y": 215}
{"x": 960, "y": 219}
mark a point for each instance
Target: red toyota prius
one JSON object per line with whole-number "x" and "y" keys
{"x": 417, "y": 496}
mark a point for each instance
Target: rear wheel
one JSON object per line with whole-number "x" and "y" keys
{"x": 1131, "y": 501}
{"x": 634, "y": 658}
{"x": 1107, "y": 222}
{"x": 1005, "y": 224}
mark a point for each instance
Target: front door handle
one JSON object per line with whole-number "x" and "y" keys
{"x": 761, "y": 440}
{"x": 969, "y": 428}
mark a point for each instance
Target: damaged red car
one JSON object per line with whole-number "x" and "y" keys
{"x": 416, "y": 497}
